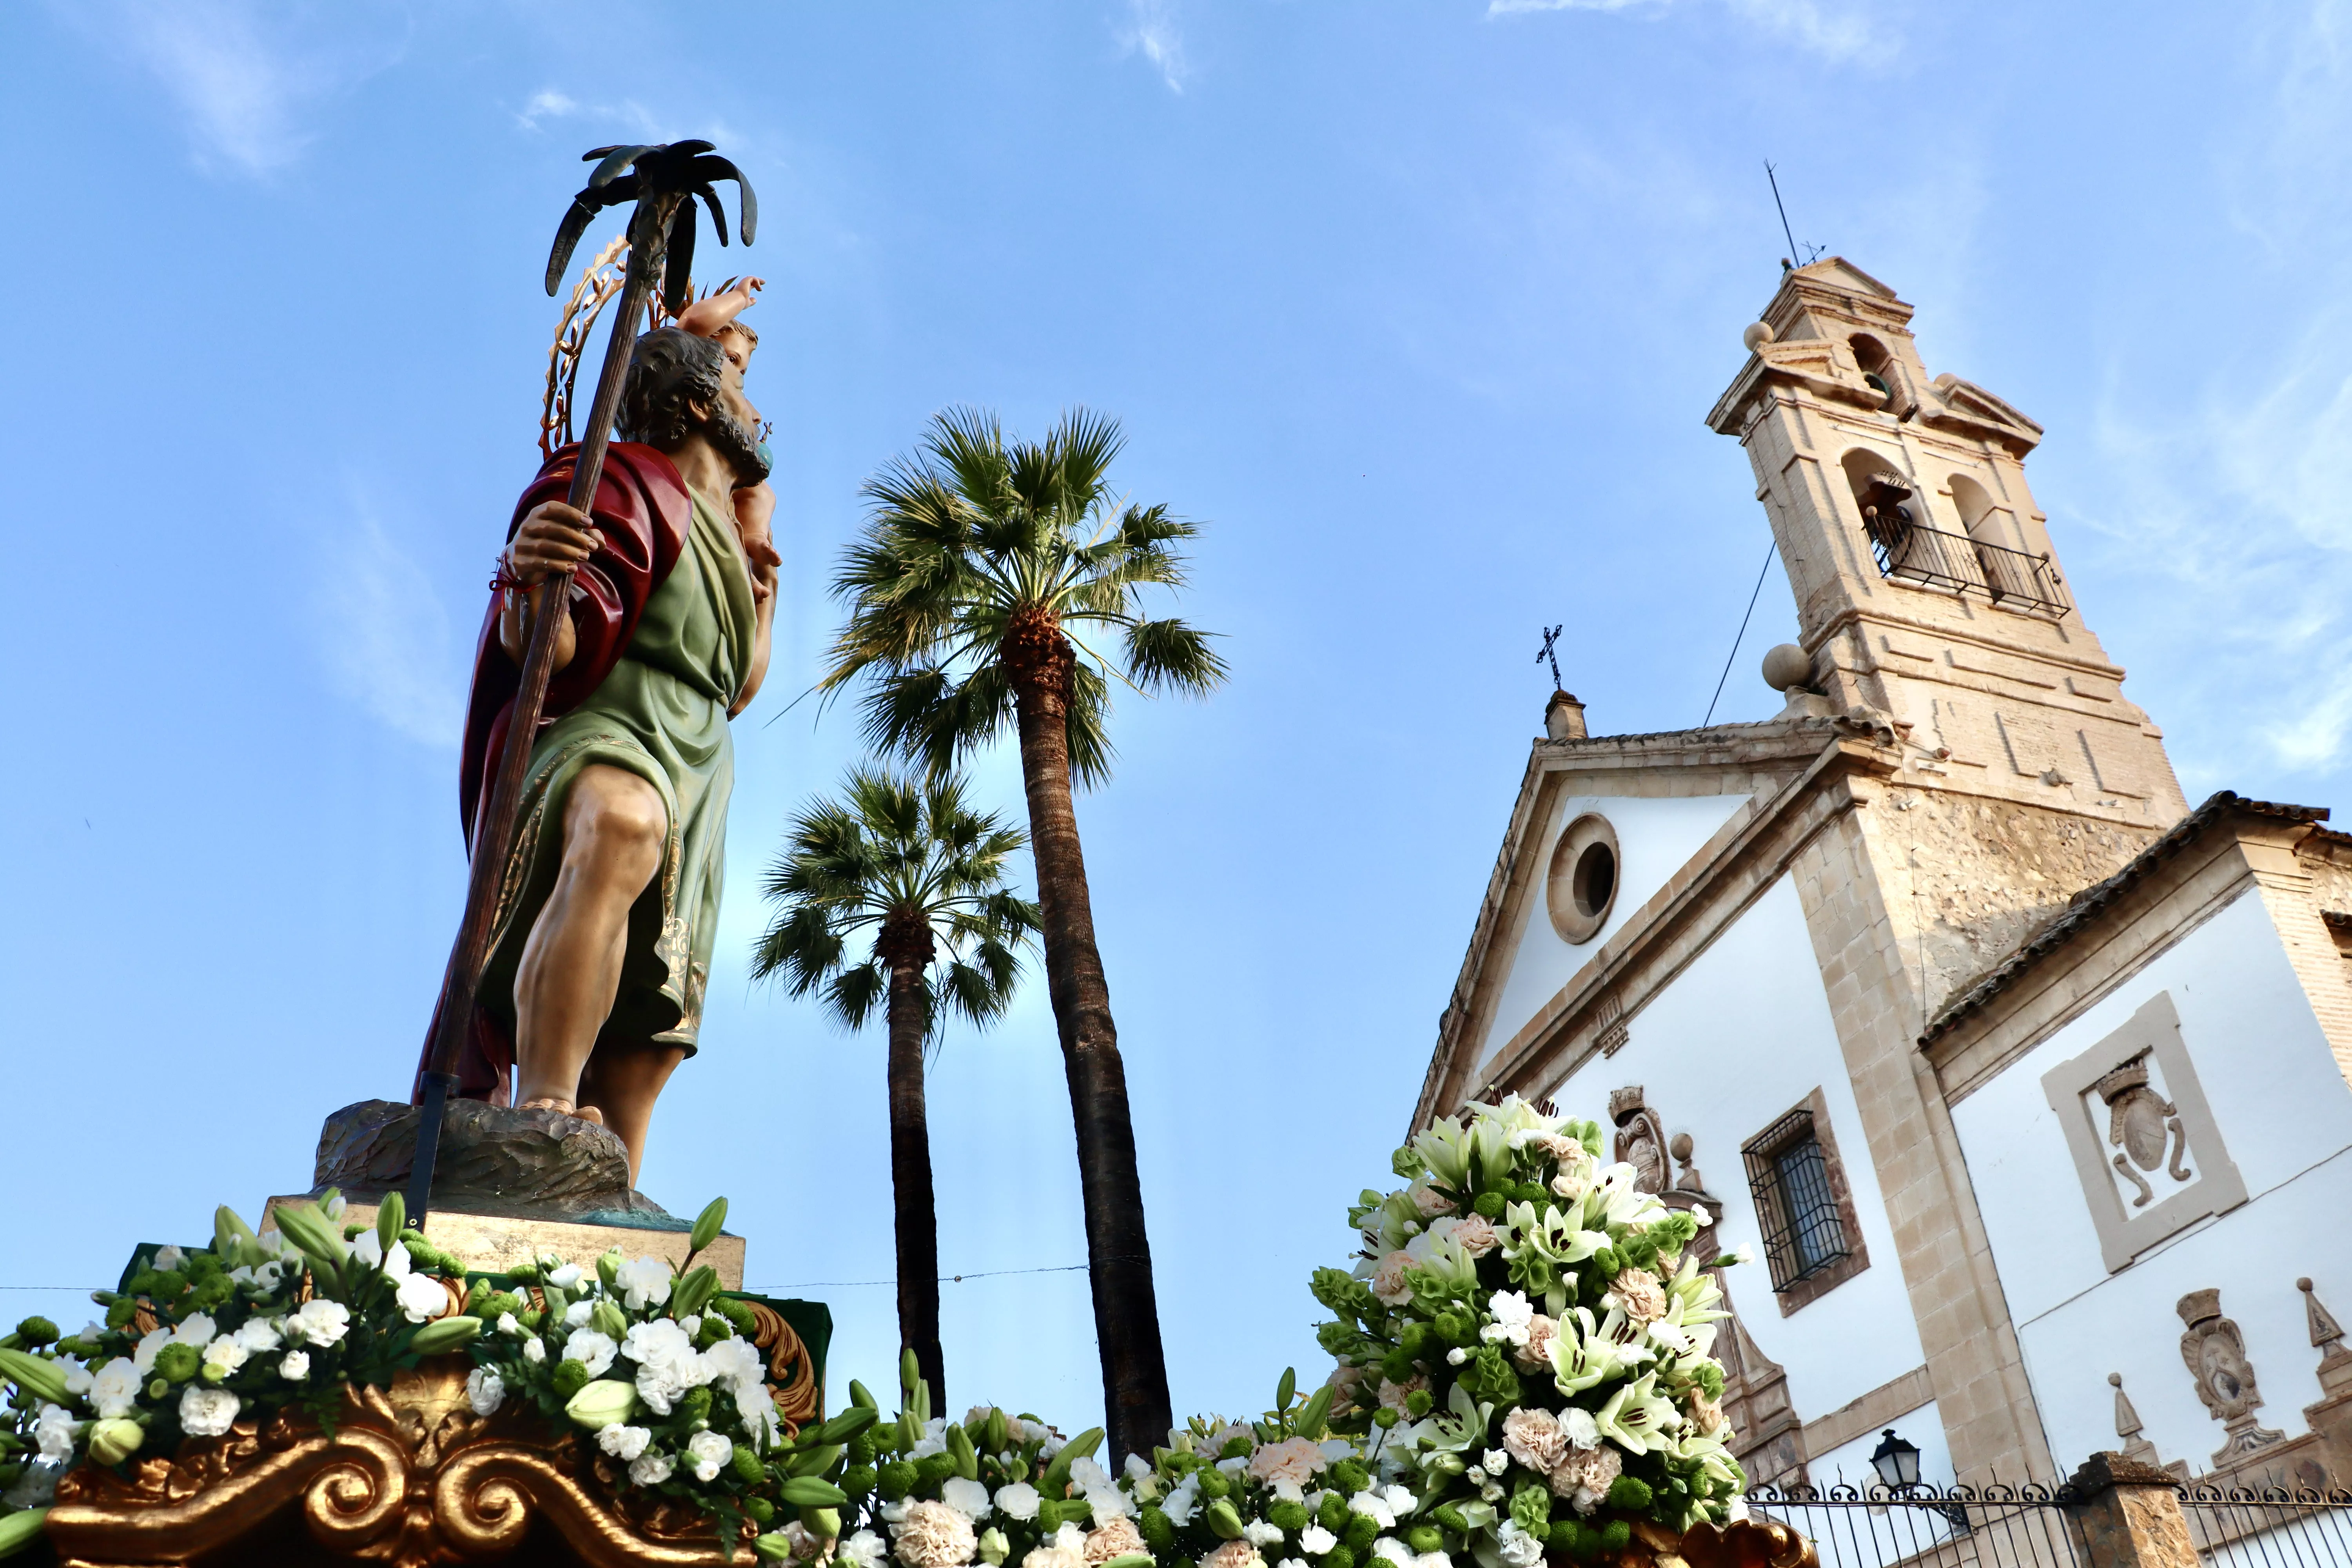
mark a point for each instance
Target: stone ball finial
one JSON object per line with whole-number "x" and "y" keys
{"x": 2303, "y": 1284}
{"x": 1756, "y": 335}
{"x": 1786, "y": 666}
{"x": 1680, "y": 1147}
{"x": 2114, "y": 1380}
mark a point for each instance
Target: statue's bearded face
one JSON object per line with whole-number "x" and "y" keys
{"x": 680, "y": 385}
{"x": 733, "y": 428}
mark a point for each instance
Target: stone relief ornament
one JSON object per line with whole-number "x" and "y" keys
{"x": 2215, "y": 1353}
{"x": 2142, "y": 1137}
{"x": 2140, "y": 1123}
{"x": 1641, "y": 1139}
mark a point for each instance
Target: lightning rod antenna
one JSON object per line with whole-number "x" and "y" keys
{"x": 1781, "y": 207}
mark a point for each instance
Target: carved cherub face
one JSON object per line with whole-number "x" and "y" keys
{"x": 738, "y": 344}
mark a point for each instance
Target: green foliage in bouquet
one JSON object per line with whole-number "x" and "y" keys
{"x": 1523, "y": 1374}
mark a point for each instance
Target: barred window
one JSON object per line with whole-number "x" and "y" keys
{"x": 1809, "y": 1236}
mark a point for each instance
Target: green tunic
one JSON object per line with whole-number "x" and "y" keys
{"x": 661, "y": 714}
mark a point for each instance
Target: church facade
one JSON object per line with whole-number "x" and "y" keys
{"x": 2030, "y": 1086}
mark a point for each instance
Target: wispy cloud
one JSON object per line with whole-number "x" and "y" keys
{"x": 2231, "y": 474}
{"x": 386, "y": 639}
{"x": 247, "y": 76}
{"x": 545, "y": 104}
{"x": 1836, "y": 30}
{"x": 1152, "y": 31}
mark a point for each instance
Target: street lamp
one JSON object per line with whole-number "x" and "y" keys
{"x": 1897, "y": 1462}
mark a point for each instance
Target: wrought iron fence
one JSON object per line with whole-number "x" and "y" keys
{"x": 2270, "y": 1527}
{"x": 1966, "y": 565}
{"x": 1931, "y": 1527}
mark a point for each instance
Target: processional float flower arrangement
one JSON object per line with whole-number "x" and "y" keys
{"x": 1523, "y": 1376}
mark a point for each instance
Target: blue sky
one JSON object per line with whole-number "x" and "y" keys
{"x": 1418, "y": 307}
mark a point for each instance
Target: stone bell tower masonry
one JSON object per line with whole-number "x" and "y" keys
{"x": 1926, "y": 586}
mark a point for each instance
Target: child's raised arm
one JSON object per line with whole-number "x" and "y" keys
{"x": 708, "y": 317}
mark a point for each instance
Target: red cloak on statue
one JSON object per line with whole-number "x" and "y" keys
{"x": 644, "y": 512}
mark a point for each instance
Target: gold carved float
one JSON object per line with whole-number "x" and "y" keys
{"x": 408, "y": 1477}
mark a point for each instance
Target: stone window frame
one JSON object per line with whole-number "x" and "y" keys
{"x": 1758, "y": 1153}
{"x": 2153, "y": 1030}
{"x": 1576, "y": 925}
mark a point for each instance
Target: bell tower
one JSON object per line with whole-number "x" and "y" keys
{"x": 1926, "y": 586}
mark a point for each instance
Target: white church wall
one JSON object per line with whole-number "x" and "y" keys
{"x": 1656, "y": 838}
{"x": 1740, "y": 1037}
{"x": 2284, "y": 1117}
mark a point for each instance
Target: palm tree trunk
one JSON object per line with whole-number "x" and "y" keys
{"x": 910, "y": 1158}
{"x": 1119, "y": 1253}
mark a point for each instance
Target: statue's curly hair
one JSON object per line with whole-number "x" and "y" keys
{"x": 669, "y": 369}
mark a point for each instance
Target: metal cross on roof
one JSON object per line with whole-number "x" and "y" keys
{"x": 1546, "y": 656}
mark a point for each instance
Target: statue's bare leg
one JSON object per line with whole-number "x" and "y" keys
{"x": 623, "y": 1083}
{"x": 613, "y": 829}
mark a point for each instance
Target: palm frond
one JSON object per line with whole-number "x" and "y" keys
{"x": 1169, "y": 655}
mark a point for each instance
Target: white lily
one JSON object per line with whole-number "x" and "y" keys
{"x": 1637, "y": 1417}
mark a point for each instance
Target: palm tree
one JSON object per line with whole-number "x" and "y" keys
{"x": 984, "y": 569}
{"x": 906, "y": 864}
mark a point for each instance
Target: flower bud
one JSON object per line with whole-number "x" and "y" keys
{"x": 157, "y": 1388}
{"x": 706, "y": 1227}
{"x": 603, "y": 1403}
{"x": 993, "y": 1548}
{"x": 776, "y": 1547}
{"x": 823, "y": 1522}
{"x": 609, "y": 1321}
{"x": 1224, "y": 1519}
{"x": 20, "y": 1530}
{"x": 444, "y": 1334}
{"x": 113, "y": 1441}
{"x": 42, "y": 1379}
{"x": 36, "y": 1332}
{"x": 390, "y": 1212}
{"x": 608, "y": 1268}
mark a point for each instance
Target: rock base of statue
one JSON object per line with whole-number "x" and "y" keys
{"x": 509, "y": 1186}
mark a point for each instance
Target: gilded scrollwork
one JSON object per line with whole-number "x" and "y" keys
{"x": 409, "y": 1477}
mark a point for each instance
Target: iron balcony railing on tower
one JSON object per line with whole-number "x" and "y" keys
{"x": 1939, "y": 560}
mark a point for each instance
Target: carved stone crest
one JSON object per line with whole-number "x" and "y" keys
{"x": 2142, "y": 1135}
{"x": 2141, "y": 1122}
{"x": 2215, "y": 1353}
{"x": 1641, "y": 1139}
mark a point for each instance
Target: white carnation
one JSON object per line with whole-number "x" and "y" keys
{"x": 642, "y": 1284}
{"x": 225, "y": 1355}
{"x": 260, "y": 1335}
{"x": 422, "y": 1297}
{"x": 485, "y": 1391}
{"x": 206, "y": 1412}
{"x": 969, "y": 1498}
{"x": 319, "y": 1321}
{"x": 592, "y": 1348}
{"x": 534, "y": 1350}
{"x": 651, "y": 1469}
{"x": 55, "y": 1430}
{"x": 1019, "y": 1501}
{"x": 706, "y": 1452}
{"x": 114, "y": 1391}
{"x": 1315, "y": 1540}
{"x": 295, "y": 1366}
{"x": 623, "y": 1442}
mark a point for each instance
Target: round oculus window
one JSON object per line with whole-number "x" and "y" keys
{"x": 1583, "y": 885}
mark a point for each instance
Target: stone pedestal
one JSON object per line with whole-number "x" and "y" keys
{"x": 2131, "y": 1516}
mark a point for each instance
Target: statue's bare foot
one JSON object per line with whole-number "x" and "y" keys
{"x": 562, "y": 1107}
